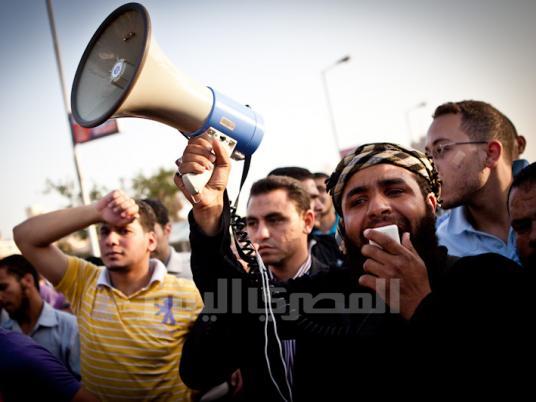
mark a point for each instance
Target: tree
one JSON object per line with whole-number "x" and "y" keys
{"x": 160, "y": 186}
{"x": 68, "y": 190}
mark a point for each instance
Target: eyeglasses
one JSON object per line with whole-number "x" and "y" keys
{"x": 440, "y": 150}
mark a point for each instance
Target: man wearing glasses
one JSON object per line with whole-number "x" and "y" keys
{"x": 472, "y": 144}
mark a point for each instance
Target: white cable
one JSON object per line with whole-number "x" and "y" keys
{"x": 269, "y": 296}
{"x": 266, "y": 357}
{"x": 270, "y": 313}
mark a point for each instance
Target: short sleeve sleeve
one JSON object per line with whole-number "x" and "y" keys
{"x": 77, "y": 277}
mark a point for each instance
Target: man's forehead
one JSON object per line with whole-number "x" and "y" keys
{"x": 445, "y": 128}
{"x": 4, "y": 274}
{"x": 276, "y": 201}
{"x": 320, "y": 183}
{"x": 377, "y": 174}
{"x": 132, "y": 224}
{"x": 310, "y": 186}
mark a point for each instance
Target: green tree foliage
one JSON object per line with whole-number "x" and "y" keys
{"x": 68, "y": 190}
{"x": 160, "y": 185}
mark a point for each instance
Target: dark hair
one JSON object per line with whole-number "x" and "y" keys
{"x": 424, "y": 185}
{"x": 147, "y": 217}
{"x": 482, "y": 122}
{"x": 514, "y": 139}
{"x": 17, "y": 265}
{"x": 320, "y": 175}
{"x": 160, "y": 210}
{"x": 524, "y": 178}
{"x": 295, "y": 172}
{"x": 291, "y": 186}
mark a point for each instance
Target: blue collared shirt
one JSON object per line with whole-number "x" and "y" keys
{"x": 57, "y": 331}
{"x": 456, "y": 233}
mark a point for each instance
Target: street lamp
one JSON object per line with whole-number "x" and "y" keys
{"x": 328, "y": 100}
{"x": 93, "y": 239}
{"x": 408, "y": 121}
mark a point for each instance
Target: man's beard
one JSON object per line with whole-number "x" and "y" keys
{"x": 22, "y": 312}
{"x": 463, "y": 190}
{"x": 423, "y": 238}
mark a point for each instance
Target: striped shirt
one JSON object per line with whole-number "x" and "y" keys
{"x": 289, "y": 345}
{"x": 131, "y": 345}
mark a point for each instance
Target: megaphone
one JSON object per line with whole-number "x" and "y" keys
{"x": 123, "y": 73}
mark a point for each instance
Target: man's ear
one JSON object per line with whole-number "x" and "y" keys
{"x": 308, "y": 220}
{"x": 167, "y": 229}
{"x": 151, "y": 237}
{"x": 494, "y": 152}
{"x": 28, "y": 281}
{"x": 432, "y": 201}
{"x": 521, "y": 144}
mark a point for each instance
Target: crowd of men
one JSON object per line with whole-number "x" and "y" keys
{"x": 325, "y": 308}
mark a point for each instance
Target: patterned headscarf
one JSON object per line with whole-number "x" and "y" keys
{"x": 376, "y": 153}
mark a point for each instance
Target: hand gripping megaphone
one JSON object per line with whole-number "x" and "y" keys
{"x": 123, "y": 73}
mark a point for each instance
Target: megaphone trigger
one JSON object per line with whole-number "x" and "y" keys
{"x": 194, "y": 183}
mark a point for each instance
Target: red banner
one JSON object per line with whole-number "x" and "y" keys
{"x": 81, "y": 134}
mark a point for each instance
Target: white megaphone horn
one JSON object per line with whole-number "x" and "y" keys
{"x": 123, "y": 73}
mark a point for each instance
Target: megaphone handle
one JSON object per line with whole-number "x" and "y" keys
{"x": 194, "y": 183}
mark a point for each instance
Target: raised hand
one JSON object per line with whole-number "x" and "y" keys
{"x": 199, "y": 156}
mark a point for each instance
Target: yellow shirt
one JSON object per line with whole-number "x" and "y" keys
{"x": 131, "y": 345}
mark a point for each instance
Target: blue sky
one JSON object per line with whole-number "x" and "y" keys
{"x": 268, "y": 54}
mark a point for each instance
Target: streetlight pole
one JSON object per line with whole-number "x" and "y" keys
{"x": 94, "y": 243}
{"x": 328, "y": 99}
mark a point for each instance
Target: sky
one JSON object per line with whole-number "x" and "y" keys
{"x": 270, "y": 55}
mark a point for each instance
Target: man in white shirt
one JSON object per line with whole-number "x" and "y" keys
{"x": 177, "y": 264}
